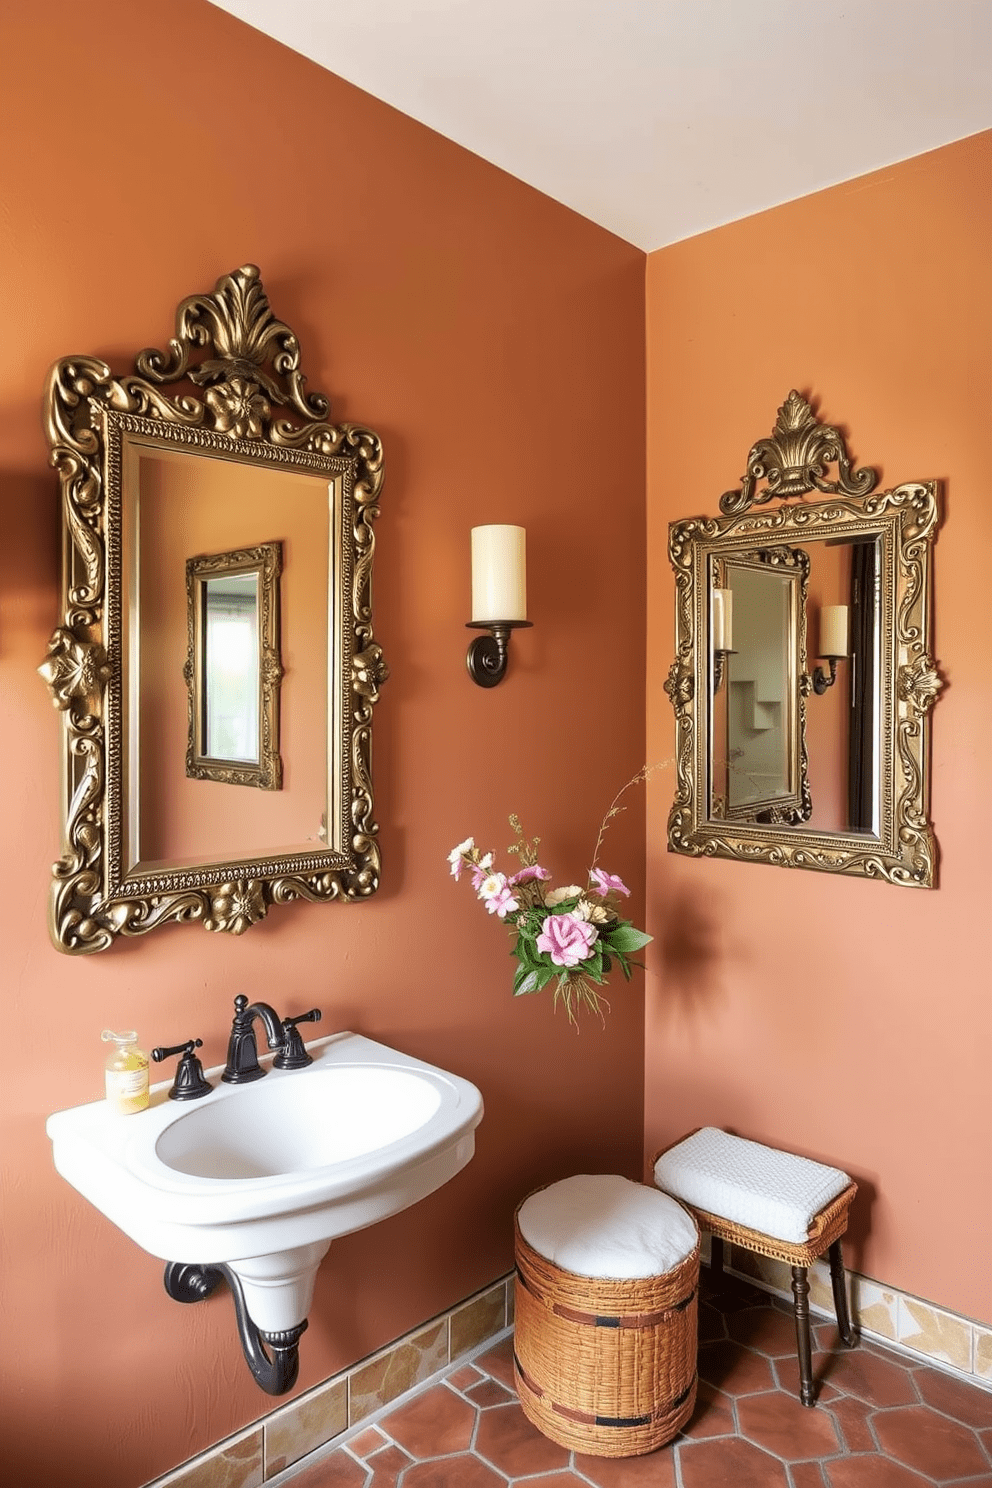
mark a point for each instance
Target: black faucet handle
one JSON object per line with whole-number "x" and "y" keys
{"x": 190, "y": 1082}
{"x": 292, "y": 1055}
{"x": 313, "y": 1016}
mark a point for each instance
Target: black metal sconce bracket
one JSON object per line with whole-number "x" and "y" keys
{"x": 186, "y": 1282}
{"x": 820, "y": 680}
{"x": 488, "y": 654}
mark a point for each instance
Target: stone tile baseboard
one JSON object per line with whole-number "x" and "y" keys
{"x": 957, "y": 1344}
{"x": 292, "y": 1431}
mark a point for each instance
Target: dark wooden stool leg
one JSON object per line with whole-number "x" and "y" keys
{"x": 844, "y": 1326}
{"x": 800, "y": 1291}
{"x": 716, "y": 1255}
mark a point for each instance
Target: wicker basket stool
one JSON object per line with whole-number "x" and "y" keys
{"x": 605, "y": 1364}
{"x": 770, "y": 1202}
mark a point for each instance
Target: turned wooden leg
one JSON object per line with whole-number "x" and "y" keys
{"x": 716, "y": 1255}
{"x": 837, "y": 1281}
{"x": 800, "y": 1291}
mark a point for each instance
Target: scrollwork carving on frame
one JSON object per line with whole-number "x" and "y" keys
{"x": 229, "y": 383}
{"x": 903, "y": 521}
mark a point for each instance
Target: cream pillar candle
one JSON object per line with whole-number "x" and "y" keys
{"x": 833, "y": 630}
{"x": 499, "y": 573}
{"x": 723, "y": 619}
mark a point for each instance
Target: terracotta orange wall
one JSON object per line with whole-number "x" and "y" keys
{"x": 495, "y": 341}
{"x": 846, "y": 1019}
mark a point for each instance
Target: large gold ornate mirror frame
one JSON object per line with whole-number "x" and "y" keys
{"x": 228, "y": 398}
{"x": 894, "y": 840}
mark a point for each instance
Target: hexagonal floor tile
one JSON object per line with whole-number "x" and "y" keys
{"x": 656, "y": 1470}
{"x": 463, "y": 1471}
{"x": 764, "y": 1329}
{"x": 734, "y": 1369}
{"x": 714, "y": 1464}
{"x": 779, "y": 1423}
{"x": 921, "y": 1439}
{"x": 431, "y": 1424}
{"x": 955, "y": 1398}
{"x": 508, "y": 1440}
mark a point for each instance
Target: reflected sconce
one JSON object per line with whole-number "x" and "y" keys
{"x": 499, "y": 599}
{"x": 722, "y": 631}
{"x": 833, "y": 645}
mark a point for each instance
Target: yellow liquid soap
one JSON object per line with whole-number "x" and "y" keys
{"x": 126, "y": 1073}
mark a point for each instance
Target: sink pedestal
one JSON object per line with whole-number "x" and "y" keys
{"x": 278, "y": 1289}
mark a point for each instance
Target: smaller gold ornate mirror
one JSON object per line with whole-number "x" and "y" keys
{"x": 216, "y": 631}
{"x": 824, "y": 768}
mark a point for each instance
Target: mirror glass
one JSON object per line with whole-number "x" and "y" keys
{"x": 229, "y": 661}
{"x": 803, "y": 679}
{"x": 216, "y": 632}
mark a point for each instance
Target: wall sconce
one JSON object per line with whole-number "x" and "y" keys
{"x": 499, "y": 599}
{"x": 833, "y": 644}
{"x": 722, "y": 631}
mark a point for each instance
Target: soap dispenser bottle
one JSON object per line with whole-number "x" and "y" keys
{"x": 126, "y": 1073}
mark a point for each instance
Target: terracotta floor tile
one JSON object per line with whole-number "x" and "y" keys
{"x": 734, "y": 1295}
{"x": 764, "y": 1329}
{"x": 499, "y": 1362}
{"x": 870, "y": 1472}
{"x": 337, "y": 1470}
{"x": 920, "y": 1438}
{"x": 734, "y": 1369}
{"x": 656, "y": 1470}
{"x": 779, "y": 1423}
{"x": 878, "y": 1380}
{"x": 713, "y": 1415}
{"x": 367, "y": 1441}
{"x": 463, "y": 1471}
{"x": 807, "y": 1475}
{"x": 954, "y": 1397}
{"x": 787, "y": 1374}
{"x": 508, "y": 1440}
{"x": 464, "y": 1377}
{"x": 852, "y": 1416}
{"x": 432, "y": 1423}
{"x": 489, "y": 1392}
{"x": 555, "y": 1480}
{"x": 714, "y": 1464}
{"x": 711, "y": 1324}
{"x": 386, "y": 1465}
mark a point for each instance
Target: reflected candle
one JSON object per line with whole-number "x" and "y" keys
{"x": 723, "y": 619}
{"x": 499, "y": 574}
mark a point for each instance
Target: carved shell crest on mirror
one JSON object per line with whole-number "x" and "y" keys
{"x": 215, "y": 664}
{"x": 777, "y": 761}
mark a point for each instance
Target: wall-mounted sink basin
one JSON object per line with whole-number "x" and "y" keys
{"x": 262, "y": 1177}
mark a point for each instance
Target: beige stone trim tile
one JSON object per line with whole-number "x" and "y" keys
{"x": 481, "y": 1318}
{"x": 397, "y": 1369}
{"x": 305, "y": 1424}
{"x": 983, "y": 1352}
{"x": 874, "y": 1307}
{"x": 234, "y": 1463}
{"x": 939, "y": 1335}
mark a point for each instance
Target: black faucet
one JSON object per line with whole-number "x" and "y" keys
{"x": 242, "y": 1051}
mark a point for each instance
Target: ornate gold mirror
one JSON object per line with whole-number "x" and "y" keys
{"x": 216, "y": 631}
{"x": 823, "y": 767}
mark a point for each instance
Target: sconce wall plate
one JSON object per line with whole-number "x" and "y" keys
{"x": 488, "y": 654}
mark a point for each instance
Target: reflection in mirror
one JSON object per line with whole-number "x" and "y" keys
{"x": 823, "y": 764}
{"x": 758, "y": 746}
{"x": 233, "y": 666}
{"x": 229, "y": 660}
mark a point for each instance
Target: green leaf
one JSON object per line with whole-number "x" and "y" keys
{"x": 524, "y": 981}
{"x": 625, "y": 938}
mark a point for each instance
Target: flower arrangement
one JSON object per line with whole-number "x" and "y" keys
{"x": 571, "y": 936}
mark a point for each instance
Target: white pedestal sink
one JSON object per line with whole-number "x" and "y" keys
{"x": 261, "y": 1178}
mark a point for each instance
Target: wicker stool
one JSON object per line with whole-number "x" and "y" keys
{"x": 770, "y": 1202}
{"x": 605, "y": 1363}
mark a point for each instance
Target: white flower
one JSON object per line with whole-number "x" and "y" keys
{"x": 596, "y": 913}
{"x": 571, "y": 891}
{"x": 456, "y": 855}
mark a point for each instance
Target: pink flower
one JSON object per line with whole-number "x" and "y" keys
{"x": 497, "y": 895}
{"x": 567, "y": 938}
{"x": 480, "y": 869}
{"x": 604, "y": 882}
{"x": 531, "y": 871}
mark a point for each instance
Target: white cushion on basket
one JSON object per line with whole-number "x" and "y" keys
{"x": 605, "y": 1226}
{"x": 748, "y": 1183}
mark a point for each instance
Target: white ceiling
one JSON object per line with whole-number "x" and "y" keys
{"x": 662, "y": 118}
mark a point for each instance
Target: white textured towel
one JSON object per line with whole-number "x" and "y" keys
{"x": 775, "y": 1192}
{"x": 602, "y": 1225}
